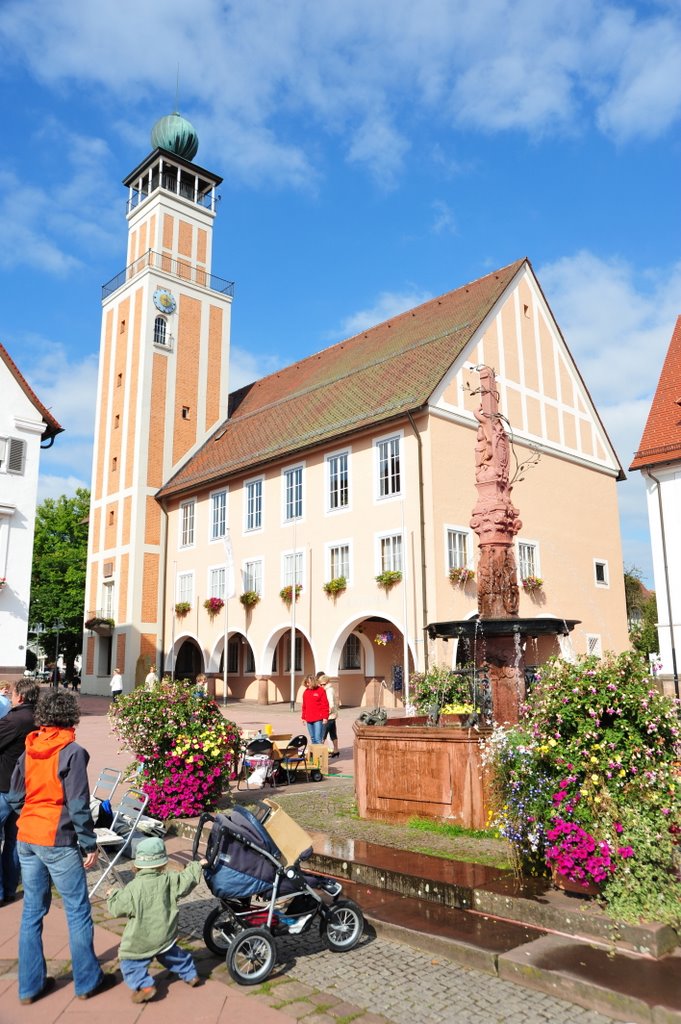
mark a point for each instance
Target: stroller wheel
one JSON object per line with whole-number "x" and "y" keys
{"x": 218, "y": 931}
{"x": 343, "y": 926}
{"x": 251, "y": 956}
{"x": 316, "y": 775}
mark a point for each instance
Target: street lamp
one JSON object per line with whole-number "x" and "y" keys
{"x": 58, "y": 625}
{"x": 38, "y": 629}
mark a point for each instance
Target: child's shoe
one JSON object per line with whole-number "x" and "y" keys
{"x": 193, "y": 982}
{"x": 143, "y": 995}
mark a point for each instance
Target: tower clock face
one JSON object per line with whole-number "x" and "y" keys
{"x": 164, "y": 300}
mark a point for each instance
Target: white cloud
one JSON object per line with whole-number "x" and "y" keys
{"x": 618, "y": 325}
{"x": 246, "y": 366}
{"x": 50, "y": 486}
{"x": 256, "y": 75}
{"x": 444, "y": 222}
{"x": 386, "y": 305}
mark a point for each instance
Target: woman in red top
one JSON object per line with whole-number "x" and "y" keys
{"x": 315, "y": 709}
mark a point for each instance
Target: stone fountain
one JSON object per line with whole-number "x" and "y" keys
{"x": 497, "y": 636}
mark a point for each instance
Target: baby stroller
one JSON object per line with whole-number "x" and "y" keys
{"x": 254, "y": 870}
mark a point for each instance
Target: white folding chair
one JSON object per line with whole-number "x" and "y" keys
{"x": 113, "y": 842}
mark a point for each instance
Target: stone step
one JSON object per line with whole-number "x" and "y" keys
{"x": 488, "y": 891}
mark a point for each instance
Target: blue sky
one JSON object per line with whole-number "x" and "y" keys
{"x": 375, "y": 153}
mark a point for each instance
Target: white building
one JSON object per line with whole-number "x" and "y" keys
{"x": 659, "y": 459}
{"x": 25, "y": 424}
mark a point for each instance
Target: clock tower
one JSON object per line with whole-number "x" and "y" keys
{"x": 162, "y": 387}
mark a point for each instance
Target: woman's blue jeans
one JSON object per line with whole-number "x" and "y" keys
{"x": 40, "y": 867}
{"x": 316, "y": 731}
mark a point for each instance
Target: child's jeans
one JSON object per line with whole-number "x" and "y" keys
{"x": 179, "y": 961}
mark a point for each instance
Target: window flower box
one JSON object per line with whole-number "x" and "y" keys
{"x": 336, "y": 585}
{"x": 532, "y": 583}
{"x": 213, "y": 606}
{"x": 249, "y": 598}
{"x": 100, "y": 625}
{"x": 461, "y": 576}
{"x": 388, "y": 578}
{"x": 286, "y": 593}
{"x": 182, "y": 608}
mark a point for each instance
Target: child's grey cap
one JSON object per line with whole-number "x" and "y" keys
{"x": 151, "y": 853}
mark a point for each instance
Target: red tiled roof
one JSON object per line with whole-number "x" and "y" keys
{"x": 373, "y": 377}
{"x": 661, "y": 441}
{"x": 52, "y": 428}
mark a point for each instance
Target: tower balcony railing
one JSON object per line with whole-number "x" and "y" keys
{"x": 183, "y": 270}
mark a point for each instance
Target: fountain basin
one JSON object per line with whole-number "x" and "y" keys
{"x": 540, "y": 625}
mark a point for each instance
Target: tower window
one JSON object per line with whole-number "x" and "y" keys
{"x": 601, "y": 573}
{"x": 114, "y": 464}
{"x": 119, "y": 380}
{"x": 159, "y": 331}
{"x": 117, "y": 421}
{"x": 185, "y": 412}
{"x": 111, "y": 518}
{"x": 122, "y": 328}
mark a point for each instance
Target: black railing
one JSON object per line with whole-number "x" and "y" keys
{"x": 175, "y": 268}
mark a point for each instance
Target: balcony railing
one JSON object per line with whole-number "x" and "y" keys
{"x": 180, "y": 269}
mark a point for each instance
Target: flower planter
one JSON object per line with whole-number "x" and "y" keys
{"x": 455, "y": 721}
{"x": 590, "y": 889}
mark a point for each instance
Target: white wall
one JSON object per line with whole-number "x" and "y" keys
{"x": 670, "y": 493}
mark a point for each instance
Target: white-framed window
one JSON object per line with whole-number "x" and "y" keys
{"x": 338, "y": 481}
{"x": 457, "y": 548}
{"x": 593, "y": 644}
{"x": 299, "y": 654}
{"x": 187, "y": 512}
{"x": 339, "y": 561}
{"x": 390, "y": 553}
{"x": 185, "y": 587}
{"x": 12, "y": 455}
{"x": 293, "y": 493}
{"x": 388, "y": 466}
{"x": 528, "y": 559}
{"x": 253, "y": 575}
{"x": 233, "y": 648}
{"x": 216, "y": 582}
{"x": 601, "y": 573}
{"x": 253, "y": 492}
{"x": 108, "y": 597}
{"x": 292, "y": 568}
{"x": 160, "y": 331}
{"x": 351, "y": 655}
{"x": 249, "y": 659}
{"x": 218, "y": 515}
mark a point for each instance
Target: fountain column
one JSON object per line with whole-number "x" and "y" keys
{"x": 496, "y": 522}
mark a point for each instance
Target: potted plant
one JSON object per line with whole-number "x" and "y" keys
{"x": 336, "y": 585}
{"x": 249, "y": 598}
{"x": 532, "y": 583}
{"x": 286, "y": 593}
{"x": 388, "y": 578}
{"x": 182, "y": 608}
{"x": 213, "y": 606}
{"x": 461, "y": 576}
{"x": 99, "y": 624}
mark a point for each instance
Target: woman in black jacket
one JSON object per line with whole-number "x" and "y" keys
{"x": 14, "y": 728}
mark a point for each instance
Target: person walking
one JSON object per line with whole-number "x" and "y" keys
{"x": 14, "y": 728}
{"x": 315, "y": 711}
{"x": 151, "y": 679}
{"x": 330, "y": 729}
{"x": 56, "y": 844}
{"x": 116, "y": 685}
{"x": 150, "y": 903}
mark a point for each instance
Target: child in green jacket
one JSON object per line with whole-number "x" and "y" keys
{"x": 150, "y": 902}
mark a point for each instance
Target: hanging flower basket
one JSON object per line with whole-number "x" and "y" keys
{"x": 286, "y": 593}
{"x": 182, "y": 608}
{"x": 381, "y": 639}
{"x": 336, "y": 585}
{"x": 532, "y": 583}
{"x": 101, "y": 626}
{"x": 461, "y": 576}
{"x": 249, "y": 598}
{"x": 3, "y": 582}
{"x": 388, "y": 578}
{"x": 213, "y": 605}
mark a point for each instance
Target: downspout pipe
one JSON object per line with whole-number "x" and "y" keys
{"x": 422, "y": 531}
{"x": 164, "y": 563}
{"x": 652, "y": 476}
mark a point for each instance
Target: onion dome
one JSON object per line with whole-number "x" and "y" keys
{"x": 176, "y": 135}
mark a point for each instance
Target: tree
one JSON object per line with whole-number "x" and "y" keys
{"x": 58, "y": 574}
{"x": 641, "y": 613}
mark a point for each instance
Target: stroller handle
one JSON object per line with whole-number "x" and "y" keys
{"x": 205, "y": 817}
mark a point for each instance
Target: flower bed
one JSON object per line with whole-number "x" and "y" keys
{"x": 185, "y": 751}
{"x": 587, "y": 786}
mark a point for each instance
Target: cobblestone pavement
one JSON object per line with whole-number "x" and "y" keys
{"x": 383, "y": 980}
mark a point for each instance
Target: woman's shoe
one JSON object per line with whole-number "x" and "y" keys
{"x": 334, "y": 753}
{"x": 108, "y": 981}
{"x": 47, "y": 987}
